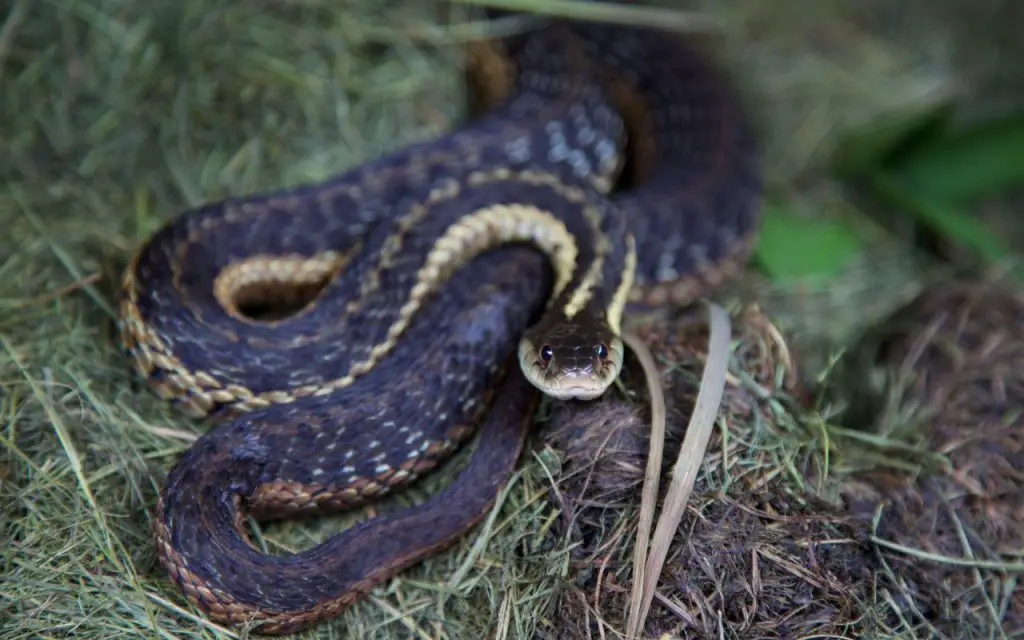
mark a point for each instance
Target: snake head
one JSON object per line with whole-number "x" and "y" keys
{"x": 571, "y": 360}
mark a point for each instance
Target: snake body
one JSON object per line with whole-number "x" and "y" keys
{"x": 435, "y": 291}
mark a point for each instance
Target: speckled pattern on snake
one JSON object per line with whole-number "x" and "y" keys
{"x": 454, "y": 266}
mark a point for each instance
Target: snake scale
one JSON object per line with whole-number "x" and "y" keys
{"x": 428, "y": 289}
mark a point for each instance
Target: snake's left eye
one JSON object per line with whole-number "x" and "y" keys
{"x": 546, "y": 353}
{"x": 601, "y": 351}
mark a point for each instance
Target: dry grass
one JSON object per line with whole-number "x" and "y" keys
{"x": 951, "y": 532}
{"x": 756, "y": 555}
{"x": 117, "y": 114}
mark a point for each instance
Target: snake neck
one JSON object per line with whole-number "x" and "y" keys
{"x": 575, "y": 351}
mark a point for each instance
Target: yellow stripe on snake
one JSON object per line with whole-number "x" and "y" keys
{"x": 436, "y": 268}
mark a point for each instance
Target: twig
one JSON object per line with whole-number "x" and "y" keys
{"x": 67, "y": 289}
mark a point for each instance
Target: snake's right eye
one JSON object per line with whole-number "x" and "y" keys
{"x": 546, "y": 353}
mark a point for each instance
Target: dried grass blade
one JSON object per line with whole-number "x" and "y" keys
{"x": 684, "y": 473}
{"x": 652, "y": 476}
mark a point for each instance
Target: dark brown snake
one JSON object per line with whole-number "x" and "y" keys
{"x": 403, "y": 352}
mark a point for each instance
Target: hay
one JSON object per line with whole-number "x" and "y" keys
{"x": 951, "y": 535}
{"x": 756, "y": 552}
{"x": 118, "y": 114}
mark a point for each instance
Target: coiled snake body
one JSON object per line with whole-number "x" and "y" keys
{"x": 388, "y": 369}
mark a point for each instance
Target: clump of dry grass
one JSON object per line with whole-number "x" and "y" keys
{"x": 763, "y": 564}
{"x": 951, "y": 535}
{"x": 755, "y": 553}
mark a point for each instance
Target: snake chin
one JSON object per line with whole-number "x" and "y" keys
{"x": 573, "y": 365}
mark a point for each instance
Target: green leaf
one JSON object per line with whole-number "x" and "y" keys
{"x": 791, "y": 246}
{"x": 945, "y": 218}
{"x": 984, "y": 159}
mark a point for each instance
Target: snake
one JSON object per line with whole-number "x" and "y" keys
{"x": 440, "y": 290}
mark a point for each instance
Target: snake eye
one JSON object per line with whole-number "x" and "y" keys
{"x": 546, "y": 353}
{"x": 601, "y": 351}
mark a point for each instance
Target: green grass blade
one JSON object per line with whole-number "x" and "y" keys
{"x": 944, "y": 217}
{"x": 985, "y": 159}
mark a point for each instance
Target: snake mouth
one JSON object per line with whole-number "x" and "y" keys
{"x": 589, "y": 390}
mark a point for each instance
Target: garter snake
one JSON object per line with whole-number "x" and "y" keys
{"x": 428, "y": 292}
